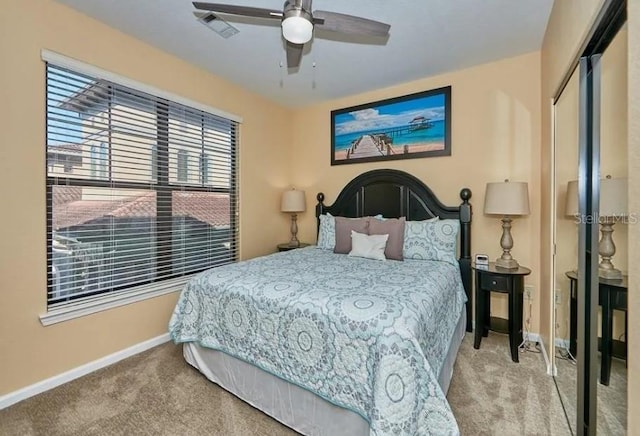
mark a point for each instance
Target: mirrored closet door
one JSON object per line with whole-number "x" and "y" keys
{"x": 613, "y": 222}
{"x": 566, "y": 241}
{"x": 590, "y": 230}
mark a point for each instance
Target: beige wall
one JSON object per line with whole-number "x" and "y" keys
{"x": 495, "y": 135}
{"x": 633, "y": 108}
{"x": 28, "y": 351}
{"x": 569, "y": 22}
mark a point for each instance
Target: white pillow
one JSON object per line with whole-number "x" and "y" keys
{"x": 368, "y": 246}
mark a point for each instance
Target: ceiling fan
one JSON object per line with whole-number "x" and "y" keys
{"x": 298, "y": 22}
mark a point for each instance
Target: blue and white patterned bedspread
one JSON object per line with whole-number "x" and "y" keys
{"x": 366, "y": 335}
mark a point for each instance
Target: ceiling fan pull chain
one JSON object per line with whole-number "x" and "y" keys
{"x": 313, "y": 80}
{"x": 281, "y": 76}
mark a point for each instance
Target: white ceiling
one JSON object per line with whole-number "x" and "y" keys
{"x": 427, "y": 37}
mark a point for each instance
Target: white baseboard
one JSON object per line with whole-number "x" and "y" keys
{"x": 562, "y": 343}
{"x": 57, "y": 380}
{"x": 535, "y": 337}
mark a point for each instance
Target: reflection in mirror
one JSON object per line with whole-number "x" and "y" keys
{"x": 612, "y": 370}
{"x": 612, "y": 374}
{"x": 566, "y": 239}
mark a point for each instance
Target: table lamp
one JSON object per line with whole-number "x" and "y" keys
{"x": 613, "y": 209}
{"x": 571, "y": 200}
{"x": 507, "y": 199}
{"x": 293, "y": 201}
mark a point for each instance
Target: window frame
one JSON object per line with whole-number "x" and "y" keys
{"x": 114, "y": 297}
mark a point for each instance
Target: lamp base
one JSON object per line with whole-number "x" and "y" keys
{"x": 507, "y": 263}
{"x": 294, "y": 244}
{"x": 609, "y": 273}
{"x": 607, "y": 249}
{"x": 294, "y": 231}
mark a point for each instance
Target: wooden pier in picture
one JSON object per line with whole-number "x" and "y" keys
{"x": 370, "y": 146}
{"x": 379, "y": 143}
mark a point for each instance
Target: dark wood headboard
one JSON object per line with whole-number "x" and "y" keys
{"x": 394, "y": 194}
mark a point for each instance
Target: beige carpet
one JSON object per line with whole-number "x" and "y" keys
{"x": 491, "y": 395}
{"x": 612, "y": 399}
{"x": 157, "y": 393}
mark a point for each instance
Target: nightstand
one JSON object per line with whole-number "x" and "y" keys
{"x": 287, "y": 247}
{"x": 612, "y": 296}
{"x": 490, "y": 278}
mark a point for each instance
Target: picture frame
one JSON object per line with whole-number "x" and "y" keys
{"x": 412, "y": 126}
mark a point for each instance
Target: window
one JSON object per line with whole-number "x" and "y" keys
{"x": 204, "y": 168}
{"x": 99, "y": 160}
{"x": 137, "y": 211}
{"x": 183, "y": 165}
{"x": 154, "y": 162}
{"x": 68, "y": 167}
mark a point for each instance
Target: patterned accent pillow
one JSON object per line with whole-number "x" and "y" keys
{"x": 431, "y": 240}
{"x": 327, "y": 232}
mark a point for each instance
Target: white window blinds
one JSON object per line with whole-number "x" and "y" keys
{"x": 140, "y": 189}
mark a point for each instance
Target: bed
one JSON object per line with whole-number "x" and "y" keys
{"x": 332, "y": 344}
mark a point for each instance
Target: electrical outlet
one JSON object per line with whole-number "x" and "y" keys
{"x": 528, "y": 292}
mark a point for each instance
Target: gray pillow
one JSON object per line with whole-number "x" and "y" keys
{"x": 394, "y": 227}
{"x": 343, "y": 232}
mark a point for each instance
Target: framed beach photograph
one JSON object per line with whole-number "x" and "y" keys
{"x": 407, "y": 127}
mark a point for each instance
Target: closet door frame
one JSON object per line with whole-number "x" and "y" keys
{"x": 588, "y": 204}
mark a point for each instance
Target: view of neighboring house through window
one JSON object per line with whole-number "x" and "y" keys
{"x": 140, "y": 189}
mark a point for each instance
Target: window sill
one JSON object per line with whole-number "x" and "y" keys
{"x": 94, "y": 305}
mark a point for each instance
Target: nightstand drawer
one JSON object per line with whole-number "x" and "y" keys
{"x": 490, "y": 282}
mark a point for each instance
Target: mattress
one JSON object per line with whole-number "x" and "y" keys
{"x": 367, "y": 336}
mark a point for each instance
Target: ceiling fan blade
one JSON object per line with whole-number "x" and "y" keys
{"x": 238, "y": 10}
{"x": 294, "y": 54}
{"x": 349, "y": 24}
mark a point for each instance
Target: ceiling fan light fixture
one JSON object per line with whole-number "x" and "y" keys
{"x": 297, "y": 29}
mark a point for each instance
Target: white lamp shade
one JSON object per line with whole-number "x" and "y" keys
{"x": 613, "y": 197}
{"x": 506, "y": 198}
{"x": 571, "y": 201}
{"x": 293, "y": 201}
{"x": 297, "y": 30}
